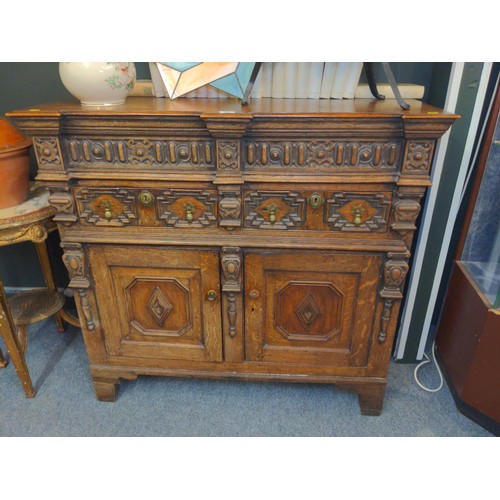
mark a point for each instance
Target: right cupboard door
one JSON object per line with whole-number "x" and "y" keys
{"x": 310, "y": 307}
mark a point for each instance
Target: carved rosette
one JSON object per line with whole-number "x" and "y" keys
{"x": 323, "y": 154}
{"x": 320, "y": 153}
{"x": 228, "y": 155}
{"x": 48, "y": 152}
{"x": 140, "y": 152}
{"x": 395, "y": 271}
{"x": 274, "y": 210}
{"x": 359, "y": 211}
{"x": 231, "y": 283}
{"x": 229, "y": 207}
{"x": 75, "y": 262}
{"x": 188, "y": 208}
{"x": 418, "y": 157}
{"x": 105, "y": 206}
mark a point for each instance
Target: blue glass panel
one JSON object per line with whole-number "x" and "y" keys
{"x": 244, "y": 72}
{"x": 181, "y": 66}
{"x": 229, "y": 84}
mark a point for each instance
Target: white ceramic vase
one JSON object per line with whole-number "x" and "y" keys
{"x": 98, "y": 83}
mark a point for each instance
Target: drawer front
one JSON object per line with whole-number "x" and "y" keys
{"x": 324, "y": 155}
{"x": 345, "y": 209}
{"x": 310, "y": 307}
{"x": 158, "y": 303}
{"x": 177, "y": 207}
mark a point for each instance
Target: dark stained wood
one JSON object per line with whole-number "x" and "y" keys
{"x": 468, "y": 344}
{"x": 265, "y": 242}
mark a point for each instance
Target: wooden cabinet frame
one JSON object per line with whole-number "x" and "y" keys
{"x": 265, "y": 242}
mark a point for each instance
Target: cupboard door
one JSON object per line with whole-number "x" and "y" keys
{"x": 158, "y": 303}
{"x": 310, "y": 307}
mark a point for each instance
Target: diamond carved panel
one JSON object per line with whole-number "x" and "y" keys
{"x": 308, "y": 311}
{"x": 159, "y": 307}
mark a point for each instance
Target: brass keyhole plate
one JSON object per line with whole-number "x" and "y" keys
{"x": 316, "y": 200}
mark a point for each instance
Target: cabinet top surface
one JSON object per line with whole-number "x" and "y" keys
{"x": 317, "y": 108}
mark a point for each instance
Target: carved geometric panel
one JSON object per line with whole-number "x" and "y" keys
{"x": 274, "y": 210}
{"x": 188, "y": 208}
{"x": 105, "y": 206}
{"x": 418, "y": 156}
{"x": 308, "y": 311}
{"x": 359, "y": 211}
{"x": 159, "y": 306}
{"x": 48, "y": 152}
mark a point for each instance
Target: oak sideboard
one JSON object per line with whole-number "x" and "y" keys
{"x": 263, "y": 242}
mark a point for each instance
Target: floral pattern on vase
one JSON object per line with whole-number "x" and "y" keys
{"x": 98, "y": 83}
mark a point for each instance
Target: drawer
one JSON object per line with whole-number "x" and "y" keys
{"x": 175, "y": 207}
{"x": 322, "y": 155}
{"x": 342, "y": 209}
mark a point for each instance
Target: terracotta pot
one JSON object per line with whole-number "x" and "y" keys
{"x": 14, "y": 165}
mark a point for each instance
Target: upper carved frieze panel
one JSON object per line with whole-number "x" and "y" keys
{"x": 140, "y": 153}
{"x": 323, "y": 154}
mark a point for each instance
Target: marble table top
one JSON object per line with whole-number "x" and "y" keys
{"x": 38, "y": 200}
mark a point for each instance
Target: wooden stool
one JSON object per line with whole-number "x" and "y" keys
{"x": 32, "y": 221}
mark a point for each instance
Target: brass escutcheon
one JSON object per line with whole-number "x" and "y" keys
{"x": 146, "y": 198}
{"x": 315, "y": 200}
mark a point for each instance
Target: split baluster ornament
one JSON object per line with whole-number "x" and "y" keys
{"x": 231, "y": 284}
{"x": 395, "y": 271}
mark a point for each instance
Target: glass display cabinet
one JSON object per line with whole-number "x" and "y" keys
{"x": 468, "y": 335}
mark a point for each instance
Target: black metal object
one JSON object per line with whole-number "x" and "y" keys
{"x": 370, "y": 76}
{"x": 249, "y": 88}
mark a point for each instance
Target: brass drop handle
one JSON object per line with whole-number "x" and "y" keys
{"x": 272, "y": 211}
{"x": 358, "y": 212}
{"x": 212, "y": 295}
{"x": 189, "y": 210}
{"x": 146, "y": 198}
{"x": 107, "y": 210}
{"x": 315, "y": 200}
{"x": 254, "y": 294}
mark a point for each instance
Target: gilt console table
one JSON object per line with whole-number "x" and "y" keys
{"x": 265, "y": 242}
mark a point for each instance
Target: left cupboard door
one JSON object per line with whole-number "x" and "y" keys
{"x": 158, "y": 302}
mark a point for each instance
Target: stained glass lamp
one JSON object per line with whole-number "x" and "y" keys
{"x": 234, "y": 78}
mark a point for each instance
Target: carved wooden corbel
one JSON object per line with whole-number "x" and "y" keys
{"x": 62, "y": 200}
{"x": 229, "y": 207}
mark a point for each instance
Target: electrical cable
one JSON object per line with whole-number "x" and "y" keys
{"x": 425, "y": 362}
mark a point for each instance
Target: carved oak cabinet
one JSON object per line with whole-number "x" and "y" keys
{"x": 265, "y": 242}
